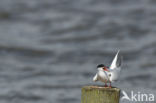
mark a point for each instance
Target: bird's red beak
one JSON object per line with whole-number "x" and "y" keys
{"x": 105, "y": 69}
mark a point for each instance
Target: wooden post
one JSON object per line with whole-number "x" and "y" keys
{"x": 96, "y": 94}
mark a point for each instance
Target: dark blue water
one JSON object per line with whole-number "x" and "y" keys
{"x": 49, "y": 49}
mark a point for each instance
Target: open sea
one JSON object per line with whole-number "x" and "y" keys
{"x": 49, "y": 49}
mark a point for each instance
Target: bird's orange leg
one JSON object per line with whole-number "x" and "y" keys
{"x": 106, "y": 84}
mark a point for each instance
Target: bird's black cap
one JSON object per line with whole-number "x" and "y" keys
{"x": 100, "y": 65}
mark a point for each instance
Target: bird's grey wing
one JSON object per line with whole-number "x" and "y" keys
{"x": 115, "y": 74}
{"x": 114, "y": 62}
{"x": 95, "y": 78}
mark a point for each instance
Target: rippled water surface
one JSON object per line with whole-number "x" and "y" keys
{"x": 49, "y": 49}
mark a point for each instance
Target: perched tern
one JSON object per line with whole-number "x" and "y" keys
{"x": 108, "y": 74}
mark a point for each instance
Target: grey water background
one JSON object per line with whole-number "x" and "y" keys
{"x": 49, "y": 49}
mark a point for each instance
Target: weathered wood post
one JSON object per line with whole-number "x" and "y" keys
{"x": 96, "y": 94}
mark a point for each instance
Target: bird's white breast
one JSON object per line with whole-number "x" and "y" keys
{"x": 102, "y": 76}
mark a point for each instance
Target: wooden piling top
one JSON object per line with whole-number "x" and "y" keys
{"x": 100, "y": 88}
{"x": 100, "y": 94}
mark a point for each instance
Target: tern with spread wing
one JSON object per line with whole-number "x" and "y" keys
{"x": 111, "y": 74}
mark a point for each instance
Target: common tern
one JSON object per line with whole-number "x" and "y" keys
{"x": 109, "y": 74}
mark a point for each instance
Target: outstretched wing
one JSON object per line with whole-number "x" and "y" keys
{"x": 114, "y": 62}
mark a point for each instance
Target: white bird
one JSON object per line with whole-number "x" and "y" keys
{"x": 108, "y": 75}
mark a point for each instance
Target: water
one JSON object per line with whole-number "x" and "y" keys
{"x": 49, "y": 49}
